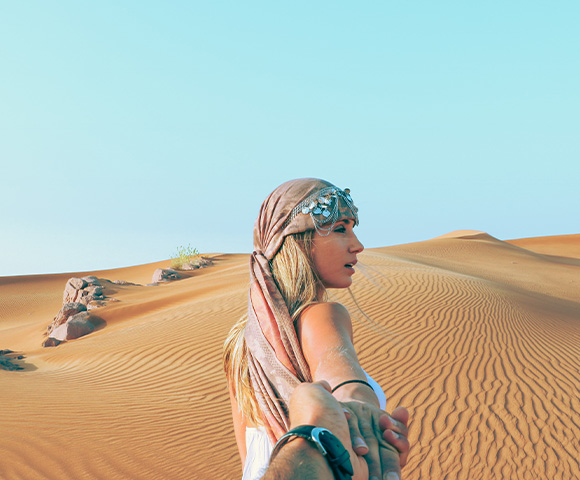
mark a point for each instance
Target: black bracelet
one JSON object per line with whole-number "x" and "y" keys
{"x": 364, "y": 382}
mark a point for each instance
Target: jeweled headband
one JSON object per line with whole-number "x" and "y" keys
{"x": 297, "y": 206}
{"x": 325, "y": 208}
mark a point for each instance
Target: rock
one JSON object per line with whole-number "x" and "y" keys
{"x": 189, "y": 266}
{"x": 96, "y": 304}
{"x": 87, "y": 299}
{"x": 87, "y": 296}
{"x": 11, "y": 354}
{"x": 201, "y": 262}
{"x": 59, "y": 333}
{"x": 80, "y": 295}
{"x": 79, "y": 325}
{"x": 83, "y": 290}
{"x": 76, "y": 326}
{"x": 95, "y": 290}
{"x": 67, "y": 310}
{"x": 165, "y": 275}
{"x": 51, "y": 342}
{"x": 72, "y": 289}
{"x": 83, "y": 297}
{"x": 7, "y": 358}
{"x": 71, "y": 294}
{"x": 92, "y": 280}
{"x": 77, "y": 283}
{"x": 124, "y": 282}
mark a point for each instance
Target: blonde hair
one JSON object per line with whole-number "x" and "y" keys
{"x": 298, "y": 281}
{"x": 235, "y": 362}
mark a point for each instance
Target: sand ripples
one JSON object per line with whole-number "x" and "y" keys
{"x": 490, "y": 370}
{"x": 478, "y": 338}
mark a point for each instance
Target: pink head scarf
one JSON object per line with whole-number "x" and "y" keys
{"x": 276, "y": 362}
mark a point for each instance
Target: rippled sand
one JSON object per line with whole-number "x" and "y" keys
{"x": 479, "y": 338}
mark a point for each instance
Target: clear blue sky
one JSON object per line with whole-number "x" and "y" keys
{"x": 130, "y": 128}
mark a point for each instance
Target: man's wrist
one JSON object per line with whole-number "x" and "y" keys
{"x": 327, "y": 444}
{"x": 299, "y": 459}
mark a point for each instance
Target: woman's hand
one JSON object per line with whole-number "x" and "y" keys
{"x": 380, "y": 438}
{"x": 395, "y": 432}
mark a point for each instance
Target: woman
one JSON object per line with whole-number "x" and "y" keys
{"x": 304, "y": 243}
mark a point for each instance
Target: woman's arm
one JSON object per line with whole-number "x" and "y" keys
{"x": 325, "y": 334}
{"x": 239, "y": 426}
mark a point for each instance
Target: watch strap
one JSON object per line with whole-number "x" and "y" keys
{"x": 327, "y": 443}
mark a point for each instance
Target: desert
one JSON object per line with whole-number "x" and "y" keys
{"x": 478, "y": 337}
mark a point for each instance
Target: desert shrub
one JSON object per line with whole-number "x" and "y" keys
{"x": 185, "y": 256}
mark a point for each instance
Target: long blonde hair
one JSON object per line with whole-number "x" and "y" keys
{"x": 298, "y": 281}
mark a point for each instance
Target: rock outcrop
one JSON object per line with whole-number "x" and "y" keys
{"x": 125, "y": 282}
{"x": 165, "y": 275}
{"x": 7, "y": 360}
{"x": 82, "y": 295}
{"x": 201, "y": 262}
{"x": 83, "y": 290}
{"x": 76, "y": 326}
{"x": 67, "y": 311}
{"x": 74, "y": 320}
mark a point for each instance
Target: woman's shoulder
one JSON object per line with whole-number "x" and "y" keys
{"x": 324, "y": 313}
{"x": 325, "y": 308}
{"x": 323, "y": 327}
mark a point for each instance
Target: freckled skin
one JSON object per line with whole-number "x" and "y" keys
{"x": 333, "y": 252}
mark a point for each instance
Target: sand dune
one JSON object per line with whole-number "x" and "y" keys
{"x": 479, "y": 338}
{"x": 561, "y": 245}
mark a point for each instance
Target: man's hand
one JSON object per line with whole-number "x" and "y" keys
{"x": 313, "y": 404}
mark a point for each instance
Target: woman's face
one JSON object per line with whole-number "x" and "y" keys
{"x": 334, "y": 255}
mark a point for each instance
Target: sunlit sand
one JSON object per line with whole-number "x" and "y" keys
{"x": 479, "y": 338}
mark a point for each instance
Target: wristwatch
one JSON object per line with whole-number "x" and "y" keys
{"x": 325, "y": 441}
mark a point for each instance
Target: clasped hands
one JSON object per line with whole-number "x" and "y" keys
{"x": 380, "y": 438}
{"x": 379, "y": 441}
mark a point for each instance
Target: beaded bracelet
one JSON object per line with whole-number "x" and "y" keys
{"x": 364, "y": 382}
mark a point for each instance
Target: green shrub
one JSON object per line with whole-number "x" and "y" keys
{"x": 185, "y": 256}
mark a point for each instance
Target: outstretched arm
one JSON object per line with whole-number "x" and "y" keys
{"x": 325, "y": 334}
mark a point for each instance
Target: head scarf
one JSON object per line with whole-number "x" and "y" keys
{"x": 276, "y": 362}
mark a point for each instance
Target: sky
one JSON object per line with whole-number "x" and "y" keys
{"x": 128, "y": 129}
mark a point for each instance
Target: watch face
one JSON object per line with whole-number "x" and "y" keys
{"x": 320, "y": 436}
{"x": 328, "y": 441}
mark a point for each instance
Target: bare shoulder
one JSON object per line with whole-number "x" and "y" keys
{"x": 325, "y": 330}
{"x": 321, "y": 317}
{"x": 325, "y": 310}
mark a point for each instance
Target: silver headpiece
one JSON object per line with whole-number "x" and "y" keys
{"x": 326, "y": 207}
